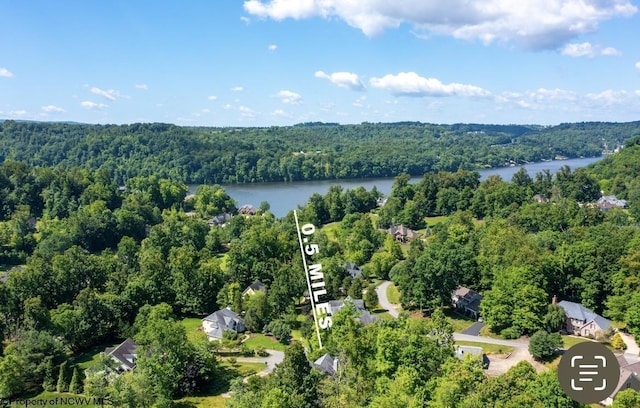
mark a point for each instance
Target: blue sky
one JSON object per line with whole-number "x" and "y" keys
{"x": 281, "y": 62}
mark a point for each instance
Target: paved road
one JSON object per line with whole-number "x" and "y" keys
{"x": 381, "y": 290}
{"x": 479, "y": 339}
{"x": 275, "y": 357}
{"x": 632, "y": 353}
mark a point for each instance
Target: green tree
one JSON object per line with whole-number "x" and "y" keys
{"x": 63, "y": 381}
{"x": 618, "y": 343}
{"x": 543, "y": 345}
{"x": 628, "y": 398}
{"x": 213, "y": 200}
{"x": 75, "y": 386}
{"x": 371, "y": 297}
{"x": 12, "y": 379}
{"x": 555, "y": 319}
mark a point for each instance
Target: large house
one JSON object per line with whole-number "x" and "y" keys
{"x": 582, "y": 321}
{"x": 352, "y": 270}
{"x": 402, "y": 233}
{"x": 364, "y": 316}
{"x": 607, "y": 202}
{"x": 124, "y": 354}
{"x": 327, "y": 364}
{"x": 219, "y": 321}
{"x": 628, "y": 378}
{"x": 466, "y": 301}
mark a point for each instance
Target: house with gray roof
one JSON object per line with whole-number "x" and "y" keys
{"x": 475, "y": 352}
{"x": 256, "y": 286}
{"x": 219, "y": 321}
{"x": 124, "y": 354}
{"x": 327, "y": 364}
{"x": 582, "y": 321}
{"x": 610, "y": 201}
{"x": 364, "y": 316}
{"x": 629, "y": 378}
{"x": 467, "y": 301}
{"x": 402, "y": 233}
{"x": 352, "y": 270}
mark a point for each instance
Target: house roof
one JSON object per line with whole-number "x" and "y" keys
{"x": 462, "y": 351}
{"x": 576, "y": 311}
{"x": 336, "y": 305}
{"x": 403, "y": 231}
{"x": 124, "y": 352}
{"x": 223, "y": 319}
{"x": 628, "y": 374}
{"x": 327, "y": 364}
{"x": 255, "y": 286}
{"x": 353, "y": 270}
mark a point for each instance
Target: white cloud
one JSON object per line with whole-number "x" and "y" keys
{"x": 531, "y": 23}
{"x": 93, "y": 105}
{"x": 5, "y": 73}
{"x": 144, "y": 87}
{"x": 17, "y": 113}
{"x": 110, "y": 94}
{"x": 246, "y": 112}
{"x": 228, "y": 106}
{"x": 609, "y": 97}
{"x": 237, "y": 89}
{"x": 586, "y": 49}
{"x": 541, "y": 98}
{"x": 272, "y": 47}
{"x": 245, "y": 20}
{"x": 412, "y": 84}
{"x": 347, "y": 80}
{"x": 289, "y": 97}
{"x": 280, "y": 113}
{"x": 205, "y": 110}
{"x": 638, "y": 65}
{"x": 53, "y": 109}
{"x": 359, "y": 103}
{"x": 212, "y": 97}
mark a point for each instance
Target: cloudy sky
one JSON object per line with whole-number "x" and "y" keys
{"x": 281, "y": 62}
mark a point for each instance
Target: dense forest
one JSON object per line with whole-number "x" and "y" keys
{"x": 311, "y": 151}
{"x": 86, "y": 263}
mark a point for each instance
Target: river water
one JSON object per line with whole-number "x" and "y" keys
{"x": 283, "y": 197}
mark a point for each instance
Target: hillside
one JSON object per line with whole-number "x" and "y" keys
{"x": 311, "y": 151}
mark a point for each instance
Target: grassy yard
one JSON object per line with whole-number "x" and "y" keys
{"x": 569, "y": 341}
{"x": 460, "y": 323}
{"x": 488, "y": 348}
{"x": 331, "y": 230}
{"x": 91, "y": 356}
{"x": 259, "y": 339}
{"x": 486, "y": 332}
{"x": 431, "y": 221}
{"x": 393, "y": 294}
{"x": 192, "y": 326}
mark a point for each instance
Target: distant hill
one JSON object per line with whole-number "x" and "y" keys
{"x": 619, "y": 173}
{"x": 308, "y": 151}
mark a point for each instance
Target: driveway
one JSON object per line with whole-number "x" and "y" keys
{"x": 381, "y": 290}
{"x": 274, "y": 358}
{"x": 524, "y": 344}
{"x": 632, "y": 353}
{"x": 474, "y": 330}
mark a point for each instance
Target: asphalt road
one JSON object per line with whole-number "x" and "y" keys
{"x": 381, "y": 290}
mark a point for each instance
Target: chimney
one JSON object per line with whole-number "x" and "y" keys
{"x": 554, "y": 300}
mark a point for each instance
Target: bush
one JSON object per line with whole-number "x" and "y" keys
{"x": 543, "y": 345}
{"x": 618, "y": 343}
{"x": 279, "y": 329}
{"x": 260, "y": 351}
{"x": 510, "y": 333}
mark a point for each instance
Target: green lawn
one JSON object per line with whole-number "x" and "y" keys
{"x": 192, "y": 326}
{"x": 431, "y": 221}
{"x": 331, "y": 230}
{"x": 91, "y": 356}
{"x": 460, "y": 323}
{"x": 569, "y": 341}
{"x": 393, "y": 295}
{"x": 488, "y": 348}
{"x": 486, "y": 332}
{"x": 259, "y": 339}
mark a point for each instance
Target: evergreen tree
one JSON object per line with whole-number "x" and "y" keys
{"x": 48, "y": 384}
{"x": 62, "y": 385}
{"x": 75, "y": 387}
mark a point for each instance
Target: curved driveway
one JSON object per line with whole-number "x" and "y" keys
{"x": 381, "y": 290}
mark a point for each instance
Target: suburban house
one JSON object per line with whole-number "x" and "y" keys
{"x": 540, "y": 199}
{"x": 467, "y": 301}
{"x": 124, "y": 354}
{"x": 220, "y": 219}
{"x": 608, "y": 202}
{"x": 353, "y": 270}
{"x": 476, "y": 352}
{"x": 219, "y": 321}
{"x": 402, "y": 233}
{"x": 364, "y": 316}
{"x": 256, "y": 286}
{"x": 582, "y": 321}
{"x": 380, "y": 202}
{"x": 247, "y": 209}
{"x": 327, "y": 364}
{"x": 628, "y": 378}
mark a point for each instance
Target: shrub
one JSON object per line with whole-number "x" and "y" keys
{"x": 618, "y": 343}
{"x": 510, "y": 333}
{"x": 543, "y": 345}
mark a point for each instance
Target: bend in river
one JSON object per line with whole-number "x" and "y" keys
{"x": 283, "y": 197}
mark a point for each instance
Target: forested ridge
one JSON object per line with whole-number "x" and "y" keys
{"x": 311, "y": 151}
{"x": 86, "y": 264}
